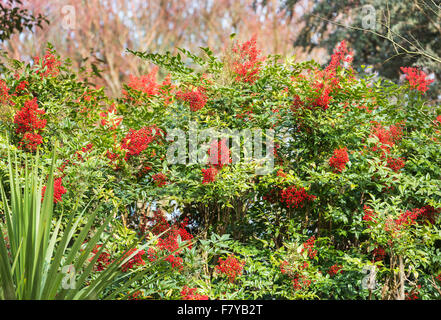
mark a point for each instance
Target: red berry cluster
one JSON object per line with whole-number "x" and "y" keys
{"x": 283, "y": 267}
{"x": 417, "y": 79}
{"x": 309, "y": 246}
{"x": 247, "y": 62}
{"x": 426, "y": 214}
{"x": 168, "y": 242}
{"x": 157, "y": 224}
{"x": 160, "y": 179}
{"x": 137, "y": 295}
{"x": 145, "y": 84}
{"x": 4, "y": 92}
{"x": 209, "y": 175}
{"x": 336, "y": 268}
{"x": 136, "y": 260}
{"x": 31, "y": 141}
{"x": 197, "y": 98}
{"x": 59, "y": 190}
{"x": 299, "y": 280}
{"x": 369, "y": 214}
{"x": 396, "y": 164}
{"x": 295, "y": 197}
{"x": 219, "y": 154}
{"x": 323, "y": 99}
{"x": 409, "y": 217}
{"x": 340, "y": 55}
{"x": 387, "y": 137}
{"x": 378, "y": 254}
{"x": 137, "y": 141}
{"x": 190, "y": 294}
{"x": 417, "y": 215}
{"x": 114, "y": 158}
{"x": 339, "y": 159}
{"x": 429, "y": 214}
{"x": 21, "y": 86}
{"x": 414, "y": 294}
{"x": 231, "y": 267}
{"x": 30, "y": 125}
{"x": 103, "y": 260}
{"x": 27, "y": 119}
{"x": 327, "y": 81}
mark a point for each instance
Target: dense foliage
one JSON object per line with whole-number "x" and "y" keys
{"x": 348, "y": 209}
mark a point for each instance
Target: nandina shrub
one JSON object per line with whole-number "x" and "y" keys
{"x": 355, "y": 180}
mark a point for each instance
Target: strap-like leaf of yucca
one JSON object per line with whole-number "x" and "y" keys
{"x": 30, "y": 267}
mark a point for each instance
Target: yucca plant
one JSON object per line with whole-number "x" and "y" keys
{"x": 35, "y": 254}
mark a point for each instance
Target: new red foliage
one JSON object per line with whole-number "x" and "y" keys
{"x": 49, "y": 65}
{"x": 417, "y": 79}
{"x": 145, "y": 84}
